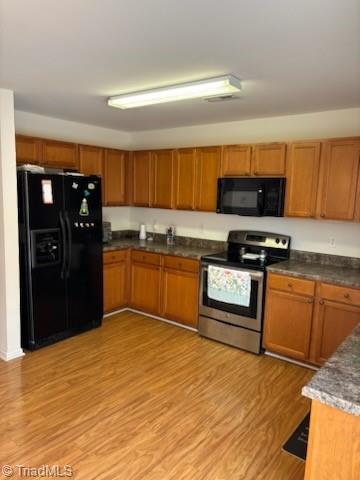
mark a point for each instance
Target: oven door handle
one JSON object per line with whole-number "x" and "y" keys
{"x": 260, "y": 199}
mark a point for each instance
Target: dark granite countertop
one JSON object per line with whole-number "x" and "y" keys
{"x": 158, "y": 247}
{"x": 339, "y": 275}
{"x": 337, "y": 383}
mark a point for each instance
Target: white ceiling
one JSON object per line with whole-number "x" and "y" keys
{"x": 63, "y": 58}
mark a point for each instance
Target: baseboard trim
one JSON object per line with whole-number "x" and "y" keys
{"x": 162, "y": 319}
{"x": 290, "y": 360}
{"x": 7, "y": 356}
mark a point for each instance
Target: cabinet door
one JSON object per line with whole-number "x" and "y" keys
{"x": 114, "y": 177}
{"x": 59, "y": 154}
{"x": 115, "y": 286}
{"x": 184, "y": 178}
{"x": 91, "y": 161}
{"x": 302, "y": 173}
{"x": 288, "y": 319}
{"x": 145, "y": 287}
{"x": 338, "y": 179}
{"x": 236, "y": 160}
{"x": 269, "y": 159}
{"x": 162, "y": 178}
{"x": 357, "y": 200}
{"x": 333, "y": 322}
{"x": 180, "y": 296}
{"x": 141, "y": 162}
{"x": 28, "y": 149}
{"x": 207, "y": 173}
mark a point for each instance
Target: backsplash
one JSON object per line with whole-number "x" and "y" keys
{"x": 299, "y": 255}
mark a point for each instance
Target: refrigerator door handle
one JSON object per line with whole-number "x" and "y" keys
{"x": 63, "y": 249}
{"x": 69, "y": 237}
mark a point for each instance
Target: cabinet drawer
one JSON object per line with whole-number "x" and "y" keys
{"x": 291, "y": 284}
{"x": 145, "y": 257}
{"x": 180, "y": 263}
{"x": 114, "y": 256}
{"x": 351, "y": 296}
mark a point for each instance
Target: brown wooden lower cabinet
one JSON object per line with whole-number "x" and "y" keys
{"x": 288, "y": 324}
{"x": 333, "y": 448}
{"x": 162, "y": 285}
{"x": 115, "y": 280}
{"x": 293, "y": 327}
{"x": 145, "y": 285}
{"x": 180, "y": 290}
{"x": 337, "y": 313}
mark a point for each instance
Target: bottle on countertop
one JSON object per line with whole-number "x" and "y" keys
{"x": 142, "y": 232}
{"x": 170, "y": 235}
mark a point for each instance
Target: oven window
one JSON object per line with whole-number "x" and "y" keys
{"x": 240, "y": 199}
{"x": 249, "y": 311}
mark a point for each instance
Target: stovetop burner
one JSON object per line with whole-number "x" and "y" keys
{"x": 252, "y": 250}
{"x": 232, "y": 260}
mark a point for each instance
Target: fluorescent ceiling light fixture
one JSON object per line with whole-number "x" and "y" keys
{"x": 211, "y": 87}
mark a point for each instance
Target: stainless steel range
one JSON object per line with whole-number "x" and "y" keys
{"x": 239, "y": 323}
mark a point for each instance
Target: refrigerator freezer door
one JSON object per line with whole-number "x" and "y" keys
{"x": 43, "y": 290}
{"x": 83, "y": 216}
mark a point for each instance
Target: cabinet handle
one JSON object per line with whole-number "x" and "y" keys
{"x": 321, "y": 302}
{"x": 256, "y": 172}
{"x": 347, "y": 295}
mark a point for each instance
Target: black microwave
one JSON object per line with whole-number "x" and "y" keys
{"x": 257, "y": 197}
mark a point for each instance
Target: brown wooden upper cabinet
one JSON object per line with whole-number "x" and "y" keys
{"x": 141, "y": 179}
{"x": 302, "y": 172}
{"x": 236, "y": 160}
{"x": 338, "y": 179}
{"x": 114, "y": 177}
{"x": 269, "y": 159}
{"x": 58, "y": 154}
{"x": 207, "y": 173}
{"x": 91, "y": 160}
{"x": 184, "y": 178}
{"x": 28, "y": 149}
{"x": 162, "y": 166}
{"x": 357, "y": 200}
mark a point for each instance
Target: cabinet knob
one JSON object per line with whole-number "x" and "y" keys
{"x": 347, "y": 295}
{"x": 310, "y": 300}
{"x": 322, "y": 215}
{"x": 290, "y": 285}
{"x": 321, "y": 301}
{"x": 256, "y": 172}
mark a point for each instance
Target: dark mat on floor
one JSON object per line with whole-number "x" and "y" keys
{"x": 297, "y": 442}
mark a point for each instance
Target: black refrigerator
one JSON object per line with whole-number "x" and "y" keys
{"x": 60, "y": 245}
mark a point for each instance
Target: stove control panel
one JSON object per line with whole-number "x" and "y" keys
{"x": 259, "y": 239}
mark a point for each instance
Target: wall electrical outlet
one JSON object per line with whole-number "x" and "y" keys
{"x": 332, "y": 242}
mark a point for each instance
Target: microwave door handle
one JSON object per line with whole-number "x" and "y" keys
{"x": 260, "y": 200}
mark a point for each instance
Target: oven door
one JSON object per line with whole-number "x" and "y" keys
{"x": 249, "y": 317}
{"x": 240, "y": 196}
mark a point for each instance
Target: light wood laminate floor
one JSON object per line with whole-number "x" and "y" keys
{"x": 139, "y": 399}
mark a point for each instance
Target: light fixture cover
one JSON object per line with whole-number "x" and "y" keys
{"x": 211, "y": 87}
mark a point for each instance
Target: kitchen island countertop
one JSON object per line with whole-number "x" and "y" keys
{"x": 337, "y": 383}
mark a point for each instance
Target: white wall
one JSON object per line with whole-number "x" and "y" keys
{"x": 9, "y": 251}
{"x": 307, "y": 234}
{"x": 118, "y": 216}
{"x": 336, "y": 123}
{"x": 48, "y": 127}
